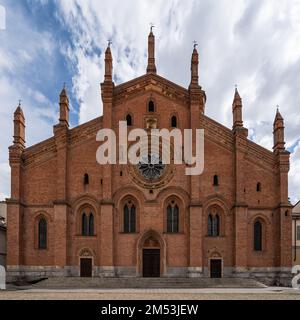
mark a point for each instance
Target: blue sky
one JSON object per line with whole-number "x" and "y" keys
{"x": 255, "y": 44}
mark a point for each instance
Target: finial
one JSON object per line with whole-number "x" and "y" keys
{"x": 277, "y": 107}
{"x": 20, "y": 101}
{"x": 195, "y": 44}
{"x": 109, "y": 43}
{"x": 151, "y": 26}
{"x": 236, "y": 86}
{"x": 64, "y": 85}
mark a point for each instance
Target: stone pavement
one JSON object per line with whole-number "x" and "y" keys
{"x": 270, "y": 293}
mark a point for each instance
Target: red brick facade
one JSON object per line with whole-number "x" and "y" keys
{"x": 48, "y": 182}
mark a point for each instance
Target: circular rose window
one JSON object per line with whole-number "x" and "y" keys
{"x": 151, "y": 172}
{"x": 151, "y": 167}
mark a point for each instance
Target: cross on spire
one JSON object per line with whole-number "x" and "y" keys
{"x": 195, "y": 44}
{"x": 109, "y": 42}
{"x": 151, "y": 68}
{"x": 20, "y": 102}
{"x": 151, "y": 26}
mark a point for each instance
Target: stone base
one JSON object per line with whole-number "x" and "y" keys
{"x": 194, "y": 272}
{"x": 268, "y": 276}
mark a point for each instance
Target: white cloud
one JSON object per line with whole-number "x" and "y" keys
{"x": 20, "y": 48}
{"x": 255, "y": 44}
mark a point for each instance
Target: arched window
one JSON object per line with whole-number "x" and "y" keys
{"x": 151, "y": 107}
{"x": 84, "y": 225}
{"x": 216, "y": 180}
{"x": 86, "y": 179}
{"x": 213, "y": 225}
{"x": 216, "y": 225}
{"x": 129, "y": 217}
{"x": 42, "y": 233}
{"x": 91, "y": 225}
{"x": 257, "y": 236}
{"x": 172, "y": 218}
{"x": 258, "y": 187}
{"x": 174, "y": 122}
{"x": 210, "y": 226}
{"x": 129, "y": 120}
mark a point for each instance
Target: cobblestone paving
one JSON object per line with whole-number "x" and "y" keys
{"x": 152, "y": 294}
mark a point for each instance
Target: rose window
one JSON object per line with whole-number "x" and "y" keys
{"x": 151, "y": 167}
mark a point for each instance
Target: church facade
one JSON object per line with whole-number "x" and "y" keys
{"x": 70, "y": 216}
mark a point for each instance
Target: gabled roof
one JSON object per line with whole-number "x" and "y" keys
{"x": 156, "y": 82}
{"x": 296, "y": 208}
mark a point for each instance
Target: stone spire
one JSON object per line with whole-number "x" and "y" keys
{"x": 19, "y": 127}
{"x": 278, "y": 132}
{"x": 151, "y": 68}
{"x": 237, "y": 108}
{"x": 108, "y": 64}
{"x": 194, "y": 67}
{"x": 64, "y": 108}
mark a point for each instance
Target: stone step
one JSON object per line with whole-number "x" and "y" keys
{"x": 115, "y": 283}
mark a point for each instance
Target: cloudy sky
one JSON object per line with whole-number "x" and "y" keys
{"x": 252, "y": 43}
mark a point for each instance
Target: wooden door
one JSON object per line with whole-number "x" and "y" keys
{"x": 216, "y": 268}
{"x": 151, "y": 263}
{"x": 86, "y": 266}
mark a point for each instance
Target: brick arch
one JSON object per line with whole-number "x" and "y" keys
{"x": 176, "y": 192}
{"x": 78, "y": 207}
{"x": 44, "y": 214}
{"x": 86, "y": 252}
{"x": 151, "y": 234}
{"x": 217, "y": 201}
{"x": 261, "y": 217}
{"x": 85, "y": 200}
{"x": 121, "y": 193}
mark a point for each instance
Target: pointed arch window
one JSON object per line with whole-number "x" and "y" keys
{"x": 129, "y": 120}
{"x": 210, "y": 225}
{"x": 216, "y": 225}
{"x": 216, "y": 180}
{"x": 213, "y": 225}
{"x": 129, "y": 217}
{"x": 173, "y": 218}
{"x": 174, "y": 122}
{"x": 257, "y": 237}
{"x": 84, "y": 225}
{"x": 87, "y": 224}
{"x": 258, "y": 187}
{"x": 91, "y": 225}
{"x": 42, "y": 234}
{"x": 86, "y": 179}
{"x": 151, "y": 106}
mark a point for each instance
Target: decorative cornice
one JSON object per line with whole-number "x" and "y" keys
{"x": 224, "y": 136}
{"x": 149, "y": 82}
{"x": 46, "y": 149}
{"x": 85, "y": 131}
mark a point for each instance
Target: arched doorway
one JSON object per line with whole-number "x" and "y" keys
{"x": 151, "y": 252}
{"x": 151, "y": 258}
{"x": 216, "y": 265}
{"x": 86, "y": 263}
